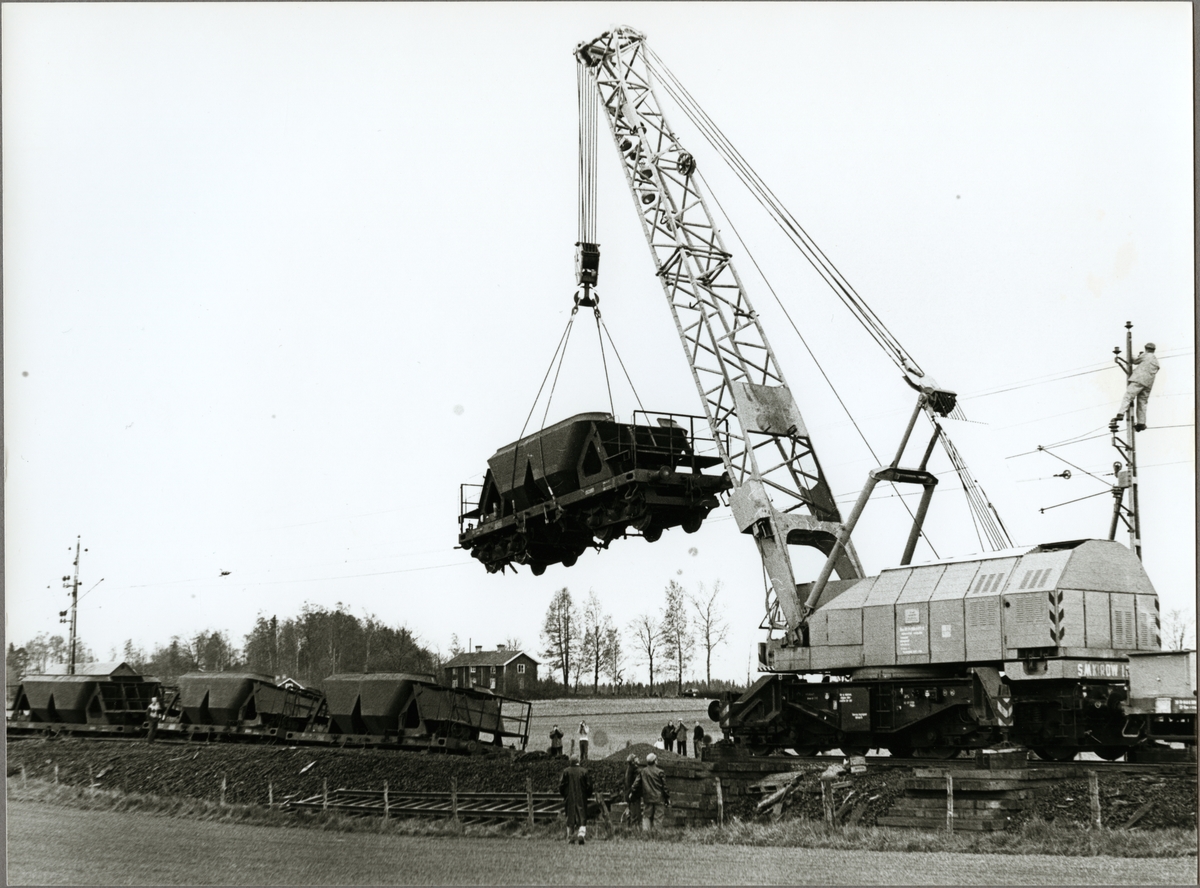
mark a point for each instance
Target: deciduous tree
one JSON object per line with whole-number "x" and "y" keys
{"x": 678, "y": 642}
{"x": 612, "y": 654}
{"x": 561, "y": 636}
{"x": 592, "y": 649}
{"x": 1178, "y": 630}
{"x": 648, "y": 638}
{"x": 713, "y": 630}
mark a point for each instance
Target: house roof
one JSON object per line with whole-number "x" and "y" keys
{"x": 117, "y": 668}
{"x": 485, "y": 658}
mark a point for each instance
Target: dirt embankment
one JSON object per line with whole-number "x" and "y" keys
{"x": 196, "y": 771}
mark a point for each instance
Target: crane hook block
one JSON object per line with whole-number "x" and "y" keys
{"x": 587, "y": 264}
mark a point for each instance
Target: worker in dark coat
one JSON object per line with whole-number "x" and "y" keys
{"x": 654, "y": 793}
{"x": 668, "y": 737}
{"x": 575, "y": 786}
{"x": 633, "y": 789}
{"x": 681, "y": 735}
{"x": 697, "y": 738}
{"x": 556, "y": 736}
{"x": 1137, "y": 390}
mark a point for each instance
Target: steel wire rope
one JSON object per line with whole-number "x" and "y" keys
{"x": 791, "y": 227}
{"x": 546, "y": 413}
{"x": 561, "y": 348}
{"x": 975, "y": 521}
{"x": 1090, "y": 437}
{"x": 828, "y": 271}
{"x": 1072, "y": 465}
{"x": 604, "y": 363}
{"x": 1046, "y": 509}
{"x": 804, "y": 342}
{"x": 866, "y": 316}
{"x": 1042, "y": 380}
{"x": 628, "y": 378}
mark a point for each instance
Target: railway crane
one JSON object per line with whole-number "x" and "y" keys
{"x": 1055, "y": 647}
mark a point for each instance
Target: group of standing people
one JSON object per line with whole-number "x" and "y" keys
{"x": 645, "y": 795}
{"x": 675, "y": 738}
{"x": 556, "y": 744}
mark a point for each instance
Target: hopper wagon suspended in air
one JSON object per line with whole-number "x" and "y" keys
{"x": 585, "y": 481}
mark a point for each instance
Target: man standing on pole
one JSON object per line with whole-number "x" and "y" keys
{"x": 1141, "y": 380}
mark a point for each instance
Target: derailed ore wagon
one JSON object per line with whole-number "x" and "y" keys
{"x": 582, "y": 483}
{"x": 373, "y": 710}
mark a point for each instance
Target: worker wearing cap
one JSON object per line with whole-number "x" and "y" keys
{"x": 1141, "y": 380}
{"x": 654, "y": 793}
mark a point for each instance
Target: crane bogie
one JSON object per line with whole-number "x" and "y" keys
{"x": 1039, "y": 648}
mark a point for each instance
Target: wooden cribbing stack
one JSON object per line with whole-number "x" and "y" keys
{"x": 976, "y": 799}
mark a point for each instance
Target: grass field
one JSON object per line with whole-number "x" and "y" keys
{"x": 615, "y": 722}
{"x": 53, "y": 845}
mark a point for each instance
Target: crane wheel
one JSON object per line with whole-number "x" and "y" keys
{"x": 652, "y": 533}
{"x": 537, "y": 568}
{"x": 1055, "y": 753}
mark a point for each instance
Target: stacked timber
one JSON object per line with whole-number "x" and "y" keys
{"x": 702, "y": 791}
{"x": 979, "y": 799}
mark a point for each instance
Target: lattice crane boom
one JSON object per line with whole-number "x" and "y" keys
{"x": 780, "y": 494}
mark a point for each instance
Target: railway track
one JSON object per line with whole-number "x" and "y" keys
{"x": 469, "y": 807}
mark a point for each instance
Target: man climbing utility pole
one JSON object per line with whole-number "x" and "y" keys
{"x": 1141, "y": 372}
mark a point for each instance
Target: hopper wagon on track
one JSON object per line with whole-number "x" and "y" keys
{"x": 374, "y": 710}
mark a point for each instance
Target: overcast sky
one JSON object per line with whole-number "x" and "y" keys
{"x": 278, "y": 278}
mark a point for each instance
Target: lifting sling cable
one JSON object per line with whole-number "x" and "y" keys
{"x": 560, "y": 354}
{"x": 604, "y": 362}
{"x": 800, "y": 336}
{"x": 562, "y": 347}
{"x": 628, "y": 379}
{"x": 824, "y": 267}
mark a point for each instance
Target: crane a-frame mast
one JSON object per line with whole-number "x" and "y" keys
{"x": 762, "y": 437}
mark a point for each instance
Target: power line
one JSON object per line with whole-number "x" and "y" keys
{"x": 1080, "y": 440}
{"x": 1070, "y": 374}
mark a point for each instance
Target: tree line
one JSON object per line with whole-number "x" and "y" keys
{"x": 317, "y": 643}
{"x": 584, "y": 646}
